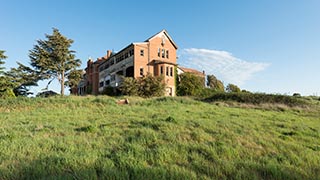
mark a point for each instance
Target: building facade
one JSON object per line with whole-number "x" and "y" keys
{"x": 156, "y": 56}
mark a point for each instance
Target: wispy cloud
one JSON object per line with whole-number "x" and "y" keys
{"x": 222, "y": 64}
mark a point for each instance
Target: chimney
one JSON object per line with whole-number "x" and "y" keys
{"x": 89, "y": 62}
{"x": 203, "y": 72}
{"x": 109, "y": 52}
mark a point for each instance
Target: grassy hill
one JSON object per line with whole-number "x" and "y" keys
{"x": 159, "y": 138}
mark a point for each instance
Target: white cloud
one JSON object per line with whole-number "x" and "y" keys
{"x": 222, "y": 64}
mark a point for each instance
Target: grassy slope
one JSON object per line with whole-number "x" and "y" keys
{"x": 177, "y": 138}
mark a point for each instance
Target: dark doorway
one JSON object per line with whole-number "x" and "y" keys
{"x": 130, "y": 72}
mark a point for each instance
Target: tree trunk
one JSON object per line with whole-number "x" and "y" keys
{"x": 62, "y": 84}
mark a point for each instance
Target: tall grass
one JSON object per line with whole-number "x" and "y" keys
{"x": 157, "y": 138}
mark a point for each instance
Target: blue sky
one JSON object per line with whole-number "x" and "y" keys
{"x": 267, "y": 46}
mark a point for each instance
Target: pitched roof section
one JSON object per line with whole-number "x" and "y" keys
{"x": 189, "y": 70}
{"x": 155, "y": 61}
{"x": 165, "y": 33}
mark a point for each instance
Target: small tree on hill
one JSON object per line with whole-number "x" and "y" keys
{"x": 52, "y": 58}
{"x": 233, "y": 88}
{"x": 214, "y": 83}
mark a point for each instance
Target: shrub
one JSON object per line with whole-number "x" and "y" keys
{"x": 149, "y": 86}
{"x": 257, "y": 98}
{"x": 232, "y": 88}
{"x": 7, "y": 93}
{"x": 296, "y": 95}
{"x": 111, "y": 91}
{"x": 205, "y": 92}
{"x": 245, "y": 91}
{"x": 129, "y": 86}
{"x": 189, "y": 85}
{"x": 214, "y": 83}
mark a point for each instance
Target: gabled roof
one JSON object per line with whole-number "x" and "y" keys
{"x": 155, "y": 61}
{"x": 165, "y": 33}
{"x": 189, "y": 70}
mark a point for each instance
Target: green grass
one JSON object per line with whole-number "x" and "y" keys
{"x": 158, "y": 138}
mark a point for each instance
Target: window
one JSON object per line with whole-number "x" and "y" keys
{"x": 167, "y": 71}
{"x": 163, "y": 52}
{"x": 167, "y": 54}
{"x": 130, "y": 52}
{"x": 171, "y": 71}
{"x": 159, "y": 51}
{"x": 161, "y": 69}
{"x": 111, "y": 62}
{"x": 141, "y": 71}
{"x": 141, "y": 52}
{"x": 101, "y": 84}
{"x": 107, "y": 82}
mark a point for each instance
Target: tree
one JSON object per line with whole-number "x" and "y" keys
{"x": 233, "y": 88}
{"x": 2, "y": 57}
{"x": 189, "y": 85}
{"x": 214, "y": 83}
{"x": 6, "y": 84}
{"x": 52, "y": 58}
{"x": 74, "y": 77}
{"x": 23, "y": 79}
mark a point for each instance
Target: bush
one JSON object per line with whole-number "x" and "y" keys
{"x": 189, "y": 85}
{"x": 232, "y": 88}
{"x": 7, "y": 93}
{"x": 47, "y": 94}
{"x": 129, "y": 86}
{"x": 147, "y": 86}
{"x": 111, "y": 91}
{"x": 206, "y": 92}
{"x": 214, "y": 83}
{"x": 296, "y": 95}
{"x": 257, "y": 98}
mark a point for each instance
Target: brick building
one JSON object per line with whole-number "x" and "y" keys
{"x": 156, "y": 55}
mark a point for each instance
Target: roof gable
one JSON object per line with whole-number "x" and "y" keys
{"x": 160, "y": 34}
{"x": 189, "y": 70}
